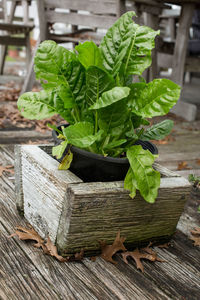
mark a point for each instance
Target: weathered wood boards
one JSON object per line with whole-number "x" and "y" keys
{"x": 77, "y": 215}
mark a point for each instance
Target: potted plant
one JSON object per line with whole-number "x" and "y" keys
{"x": 95, "y": 90}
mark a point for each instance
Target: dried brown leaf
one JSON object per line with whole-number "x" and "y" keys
{"x": 52, "y": 250}
{"x": 166, "y": 245}
{"x": 107, "y": 251}
{"x": 196, "y": 236}
{"x": 144, "y": 253}
{"x": 183, "y": 165}
{"x": 28, "y": 234}
{"x": 79, "y": 255}
{"x": 198, "y": 161}
{"x": 8, "y": 169}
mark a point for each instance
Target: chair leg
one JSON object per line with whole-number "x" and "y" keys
{"x": 30, "y": 78}
{"x": 28, "y": 52}
{"x": 3, "y": 51}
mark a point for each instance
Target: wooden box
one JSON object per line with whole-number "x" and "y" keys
{"x": 77, "y": 215}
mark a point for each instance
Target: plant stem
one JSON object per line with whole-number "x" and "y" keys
{"x": 96, "y": 122}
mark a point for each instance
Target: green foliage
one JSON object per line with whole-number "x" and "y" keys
{"x": 92, "y": 89}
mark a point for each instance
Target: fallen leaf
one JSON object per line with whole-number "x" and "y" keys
{"x": 8, "y": 168}
{"x": 183, "y": 165}
{"x": 80, "y": 255}
{"x": 164, "y": 141}
{"x": 107, "y": 251}
{"x": 52, "y": 250}
{"x": 144, "y": 253}
{"x": 198, "y": 161}
{"x": 196, "y": 236}
{"x": 28, "y": 234}
{"x": 165, "y": 246}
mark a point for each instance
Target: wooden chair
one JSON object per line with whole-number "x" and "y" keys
{"x": 84, "y": 17}
{"x": 9, "y": 30}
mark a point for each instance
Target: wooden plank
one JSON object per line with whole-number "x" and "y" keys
{"x": 42, "y": 20}
{"x": 192, "y": 64}
{"x": 16, "y": 27}
{"x": 94, "y": 6}
{"x": 188, "y": 111}
{"x": 18, "y": 180}
{"x": 46, "y": 193}
{"x": 182, "y": 42}
{"x": 8, "y": 40}
{"x": 80, "y": 19}
{"x": 96, "y": 280}
{"x": 93, "y": 204}
{"x": 21, "y": 136}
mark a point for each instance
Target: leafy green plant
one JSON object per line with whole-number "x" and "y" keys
{"x": 92, "y": 88}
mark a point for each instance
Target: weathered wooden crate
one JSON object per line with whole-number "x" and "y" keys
{"x": 76, "y": 214}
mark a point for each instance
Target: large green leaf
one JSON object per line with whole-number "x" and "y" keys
{"x": 148, "y": 180}
{"x": 37, "y": 105}
{"x": 110, "y": 97}
{"x": 89, "y": 55}
{"x": 158, "y": 131}
{"x": 41, "y": 105}
{"x": 155, "y": 98}
{"x": 127, "y": 46}
{"x": 51, "y": 61}
{"x": 75, "y": 77}
{"x": 97, "y": 82}
{"x": 114, "y": 119}
{"x": 116, "y": 42}
{"x": 130, "y": 183}
{"x": 82, "y": 134}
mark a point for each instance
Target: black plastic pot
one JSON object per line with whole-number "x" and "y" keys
{"x": 91, "y": 167}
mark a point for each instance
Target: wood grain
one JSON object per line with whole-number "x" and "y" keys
{"x": 76, "y": 215}
{"x": 22, "y": 265}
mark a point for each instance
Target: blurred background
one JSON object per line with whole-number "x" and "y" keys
{"x": 24, "y": 24}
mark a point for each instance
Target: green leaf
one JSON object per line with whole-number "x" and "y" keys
{"x": 130, "y": 183}
{"x": 81, "y": 134}
{"x": 52, "y": 126}
{"x": 97, "y": 82}
{"x": 66, "y": 162}
{"x": 116, "y": 42}
{"x": 115, "y": 144}
{"x": 137, "y": 121}
{"x": 43, "y": 104}
{"x": 89, "y": 55}
{"x": 75, "y": 77}
{"x": 59, "y": 150}
{"x": 155, "y": 98}
{"x": 114, "y": 119}
{"x": 158, "y": 131}
{"x": 51, "y": 61}
{"x": 111, "y": 96}
{"x": 148, "y": 180}
{"x": 128, "y": 46}
{"x": 37, "y": 105}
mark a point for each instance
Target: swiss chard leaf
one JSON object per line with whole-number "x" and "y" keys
{"x": 110, "y": 97}
{"x": 158, "y": 131}
{"x": 82, "y": 134}
{"x": 59, "y": 150}
{"x": 116, "y": 42}
{"x": 50, "y": 64}
{"x": 97, "y": 82}
{"x": 114, "y": 118}
{"x": 130, "y": 183}
{"x": 155, "y": 98}
{"x": 148, "y": 180}
{"x": 89, "y": 55}
{"x": 127, "y": 46}
{"x": 66, "y": 162}
{"x": 37, "y": 105}
{"x": 43, "y": 104}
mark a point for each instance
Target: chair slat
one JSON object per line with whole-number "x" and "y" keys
{"x": 78, "y": 19}
{"x": 94, "y": 6}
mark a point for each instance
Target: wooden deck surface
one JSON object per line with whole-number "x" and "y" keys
{"x": 26, "y": 273}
